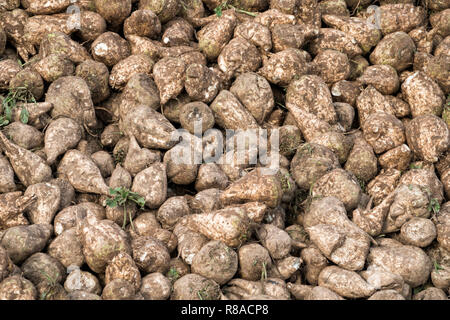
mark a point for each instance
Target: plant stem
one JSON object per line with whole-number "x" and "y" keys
{"x": 124, "y": 216}
{"x": 243, "y": 11}
{"x": 131, "y": 221}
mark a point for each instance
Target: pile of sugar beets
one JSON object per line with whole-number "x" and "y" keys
{"x": 95, "y": 204}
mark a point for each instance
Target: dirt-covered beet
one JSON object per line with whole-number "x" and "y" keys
{"x": 224, "y": 150}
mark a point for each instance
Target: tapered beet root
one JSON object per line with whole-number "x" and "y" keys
{"x": 29, "y": 167}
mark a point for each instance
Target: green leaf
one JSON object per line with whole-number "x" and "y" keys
{"x": 137, "y": 198}
{"x": 114, "y": 191}
{"x": 437, "y": 266}
{"x": 3, "y": 121}
{"x": 124, "y": 193}
{"x": 24, "y": 115}
{"x": 218, "y": 11}
{"x": 418, "y": 289}
{"x": 8, "y": 112}
{"x": 414, "y": 166}
{"x": 173, "y": 274}
{"x": 141, "y": 202}
{"x": 111, "y": 203}
{"x": 434, "y": 206}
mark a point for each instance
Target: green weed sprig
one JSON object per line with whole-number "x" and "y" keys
{"x": 434, "y": 206}
{"x": 120, "y": 197}
{"x": 225, "y": 5}
{"x": 10, "y": 102}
